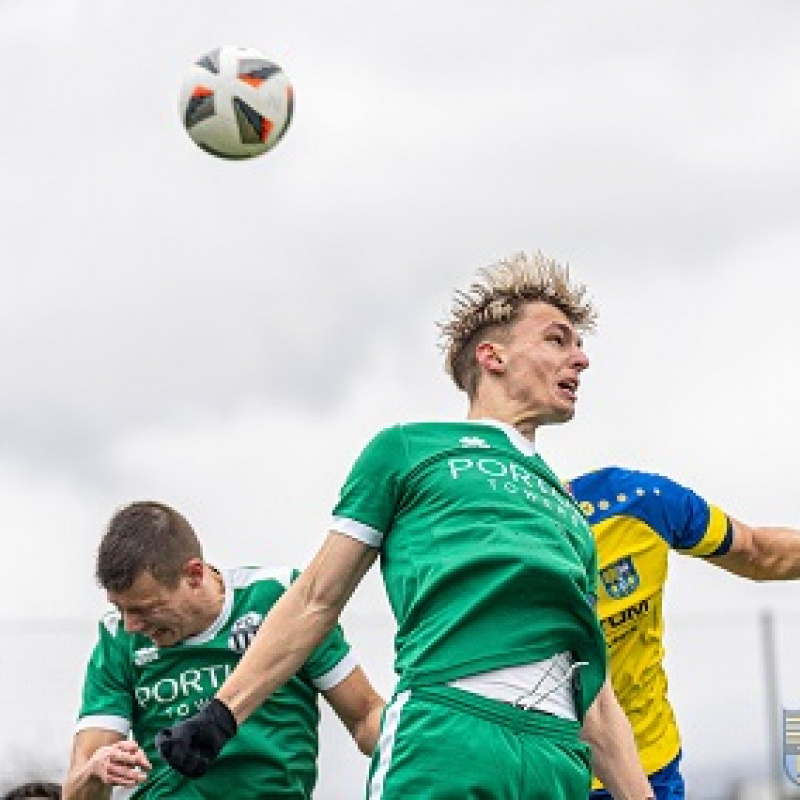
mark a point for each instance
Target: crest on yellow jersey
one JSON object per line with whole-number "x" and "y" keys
{"x": 620, "y": 578}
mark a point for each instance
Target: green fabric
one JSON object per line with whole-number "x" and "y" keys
{"x": 486, "y": 559}
{"x": 273, "y": 754}
{"x": 437, "y": 746}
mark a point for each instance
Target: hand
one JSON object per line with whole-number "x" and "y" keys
{"x": 120, "y": 764}
{"x": 192, "y": 745}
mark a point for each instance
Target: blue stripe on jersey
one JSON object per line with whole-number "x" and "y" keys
{"x": 677, "y": 514}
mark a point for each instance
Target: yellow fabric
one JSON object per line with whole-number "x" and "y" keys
{"x": 634, "y": 628}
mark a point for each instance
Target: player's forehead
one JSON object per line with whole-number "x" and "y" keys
{"x": 144, "y": 590}
{"x": 540, "y": 316}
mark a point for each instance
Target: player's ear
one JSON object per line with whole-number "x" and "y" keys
{"x": 193, "y": 570}
{"x": 490, "y": 356}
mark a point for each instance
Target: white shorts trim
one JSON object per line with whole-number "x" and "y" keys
{"x": 391, "y": 721}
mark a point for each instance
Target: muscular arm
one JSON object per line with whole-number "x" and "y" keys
{"x": 359, "y": 708}
{"x": 614, "y": 757}
{"x": 102, "y": 759}
{"x": 762, "y": 554}
{"x": 297, "y": 623}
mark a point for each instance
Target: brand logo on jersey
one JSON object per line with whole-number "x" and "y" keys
{"x": 791, "y": 745}
{"x": 144, "y": 655}
{"x": 243, "y": 631}
{"x": 473, "y": 441}
{"x": 620, "y": 578}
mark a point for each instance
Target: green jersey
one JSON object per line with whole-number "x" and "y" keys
{"x": 486, "y": 559}
{"x": 132, "y": 686}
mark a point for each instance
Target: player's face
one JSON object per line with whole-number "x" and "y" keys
{"x": 544, "y": 360}
{"x": 165, "y": 615}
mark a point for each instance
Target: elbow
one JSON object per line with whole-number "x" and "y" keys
{"x": 366, "y": 730}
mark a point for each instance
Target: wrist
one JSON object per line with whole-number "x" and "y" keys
{"x": 218, "y": 713}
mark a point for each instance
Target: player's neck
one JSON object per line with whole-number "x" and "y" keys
{"x": 526, "y": 424}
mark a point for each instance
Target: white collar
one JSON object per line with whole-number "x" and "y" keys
{"x": 522, "y": 443}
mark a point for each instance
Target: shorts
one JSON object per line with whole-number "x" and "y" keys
{"x": 667, "y": 783}
{"x": 441, "y": 743}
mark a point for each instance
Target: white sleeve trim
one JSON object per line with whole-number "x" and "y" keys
{"x": 336, "y": 675}
{"x": 105, "y": 721}
{"x": 357, "y": 530}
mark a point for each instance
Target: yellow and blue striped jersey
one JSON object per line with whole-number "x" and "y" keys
{"x": 636, "y": 518}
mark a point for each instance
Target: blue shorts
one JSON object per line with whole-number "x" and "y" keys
{"x": 667, "y": 783}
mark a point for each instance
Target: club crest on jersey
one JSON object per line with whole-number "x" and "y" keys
{"x": 791, "y": 745}
{"x": 243, "y": 631}
{"x": 620, "y": 578}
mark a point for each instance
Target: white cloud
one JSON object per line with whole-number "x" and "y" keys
{"x": 226, "y": 336}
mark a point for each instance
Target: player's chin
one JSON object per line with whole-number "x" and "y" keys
{"x": 162, "y": 638}
{"x": 563, "y": 412}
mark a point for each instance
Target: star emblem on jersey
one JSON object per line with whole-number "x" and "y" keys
{"x": 243, "y": 631}
{"x": 473, "y": 441}
{"x": 620, "y": 578}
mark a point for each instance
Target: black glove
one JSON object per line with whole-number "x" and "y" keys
{"x": 191, "y": 745}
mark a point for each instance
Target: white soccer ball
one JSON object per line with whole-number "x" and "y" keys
{"x": 236, "y": 103}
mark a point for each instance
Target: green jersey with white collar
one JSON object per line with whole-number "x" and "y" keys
{"x": 486, "y": 559}
{"x": 132, "y": 686}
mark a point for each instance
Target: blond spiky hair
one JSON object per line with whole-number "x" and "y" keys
{"x": 495, "y": 299}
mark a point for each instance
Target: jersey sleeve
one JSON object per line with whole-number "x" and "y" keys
{"x": 690, "y": 523}
{"x": 368, "y": 499}
{"x": 107, "y": 700}
{"x": 331, "y": 662}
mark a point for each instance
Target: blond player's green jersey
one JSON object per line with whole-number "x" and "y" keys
{"x": 486, "y": 559}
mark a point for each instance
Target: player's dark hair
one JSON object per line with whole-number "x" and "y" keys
{"x": 34, "y": 789}
{"x": 145, "y": 537}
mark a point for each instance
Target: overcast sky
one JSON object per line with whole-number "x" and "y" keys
{"x": 226, "y": 336}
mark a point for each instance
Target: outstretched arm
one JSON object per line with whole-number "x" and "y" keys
{"x": 615, "y": 759}
{"x": 102, "y": 759}
{"x": 297, "y": 623}
{"x": 294, "y": 626}
{"x": 762, "y": 553}
{"x": 359, "y": 707}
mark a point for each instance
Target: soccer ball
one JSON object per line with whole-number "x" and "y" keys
{"x": 235, "y": 103}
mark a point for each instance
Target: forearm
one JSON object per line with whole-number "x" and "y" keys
{"x": 366, "y": 733}
{"x": 296, "y": 624}
{"x": 82, "y": 784}
{"x": 615, "y": 759}
{"x": 286, "y": 638}
{"x": 762, "y": 554}
{"x": 616, "y": 763}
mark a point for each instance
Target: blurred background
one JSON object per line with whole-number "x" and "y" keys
{"x": 226, "y": 336}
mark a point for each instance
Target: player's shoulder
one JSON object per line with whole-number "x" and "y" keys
{"x": 418, "y": 439}
{"x": 260, "y": 577}
{"x": 111, "y": 622}
{"x": 614, "y": 490}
